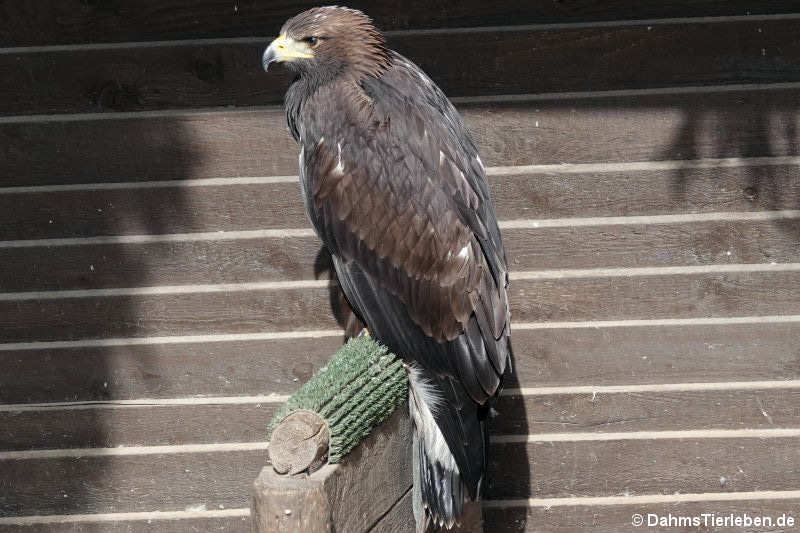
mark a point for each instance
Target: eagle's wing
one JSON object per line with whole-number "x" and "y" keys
{"x": 396, "y": 190}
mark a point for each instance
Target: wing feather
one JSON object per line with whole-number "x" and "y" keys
{"x": 398, "y": 194}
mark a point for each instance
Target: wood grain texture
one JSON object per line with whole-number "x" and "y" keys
{"x": 134, "y": 426}
{"x": 132, "y": 483}
{"x": 73, "y": 21}
{"x": 705, "y": 243}
{"x": 399, "y": 519}
{"x": 118, "y": 265}
{"x": 509, "y": 61}
{"x": 551, "y": 357}
{"x": 646, "y": 192}
{"x": 193, "y": 525}
{"x": 200, "y": 314}
{"x": 604, "y": 298}
{"x": 660, "y": 354}
{"x": 635, "y": 467}
{"x": 301, "y": 258}
{"x": 278, "y": 205}
{"x": 256, "y": 143}
{"x": 663, "y": 411}
{"x": 128, "y": 483}
{"x": 162, "y": 370}
{"x": 763, "y": 293}
{"x": 349, "y": 496}
{"x": 617, "y": 518}
{"x": 156, "y": 210}
{"x": 554, "y": 413}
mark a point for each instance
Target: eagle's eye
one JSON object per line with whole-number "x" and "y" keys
{"x": 313, "y": 41}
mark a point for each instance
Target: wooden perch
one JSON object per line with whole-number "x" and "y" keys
{"x": 358, "y": 494}
{"x": 340, "y": 450}
{"x": 368, "y": 491}
{"x": 299, "y": 443}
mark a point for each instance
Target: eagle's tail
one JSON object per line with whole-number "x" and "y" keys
{"x": 440, "y": 488}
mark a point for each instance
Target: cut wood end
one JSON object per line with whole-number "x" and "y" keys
{"x": 299, "y": 443}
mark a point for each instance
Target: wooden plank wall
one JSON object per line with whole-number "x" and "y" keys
{"x": 161, "y": 291}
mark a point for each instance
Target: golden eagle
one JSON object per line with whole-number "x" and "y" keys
{"x": 395, "y": 188}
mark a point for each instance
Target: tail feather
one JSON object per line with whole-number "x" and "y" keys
{"x": 440, "y": 486}
{"x": 441, "y": 490}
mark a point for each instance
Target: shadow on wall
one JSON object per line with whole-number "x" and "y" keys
{"x": 679, "y": 127}
{"x": 94, "y": 369}
{"x": 754, "y": 127}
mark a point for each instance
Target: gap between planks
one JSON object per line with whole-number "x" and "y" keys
{"x": 731, "y": 216}
{"x": 507, "y": 98}
{"x": 517, "y": 170}
{"x": 525, "y": 391}
{"x": 172, "y": 339}
{"x": 226, "y": 447}
{"x": 770, "y": 433}
{"x": 532, "y": 275}
{"x": 645, "y": 499}
{"x": 35, "y": 49}
{"x": 120, "y": 451}
{"x": 123, "y": 517}
{"x": 315, "y": 334}
{"x": 145, "y": 402}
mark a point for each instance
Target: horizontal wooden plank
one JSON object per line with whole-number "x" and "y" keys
{"x": 151, "y": 211}
{"x": 185, "y": 525}
{"x": 236, "y": 312}
{"x": 551, "y": 470}
{"x": 509, "y": 61}
{"x": 642, "y": 127}
{"x": 236, "y": 261}
{"x": 660, "y": 354}
{"x": 518, "y": 415}
{"x": 131, "y": 483}
{"x": 662, "y": 411}
{"x": 168, "y": 147}
{"x": 618, "y": 518}
{"x": 544, "y": 358}
{"x": 302, "y": 258}
{"x": 705, "y": 243}
{"x": 655, "y": 297}
{"x": 646, "y": 192}
{"x": 163, "y": 370}
{"x": 537, "y": 195}
{"x": 547, "y": 300}
{"x": 134, "y": 426}
{"x": 61, "y": 22}
{"x": 136, "y": 482}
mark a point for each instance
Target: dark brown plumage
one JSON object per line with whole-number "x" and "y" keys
{"x": 395, "y": 189}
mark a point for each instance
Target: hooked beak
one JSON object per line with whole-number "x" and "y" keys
{"x": 285, "y": 49}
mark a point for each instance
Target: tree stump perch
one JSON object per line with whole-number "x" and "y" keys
{"x": 340, "y": 452}
{"x": 353, "y": 495}
{"x": 368, "y": 491}
{"x": 299, "y": 443}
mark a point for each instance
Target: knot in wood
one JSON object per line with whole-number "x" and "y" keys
{"x": 299, "y": 443}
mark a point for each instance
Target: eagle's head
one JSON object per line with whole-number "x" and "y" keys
{"x": 327, "y": 42}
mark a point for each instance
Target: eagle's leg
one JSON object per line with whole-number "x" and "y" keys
{"x": 438, "y": 493}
